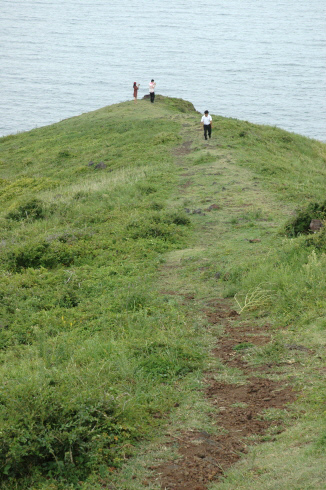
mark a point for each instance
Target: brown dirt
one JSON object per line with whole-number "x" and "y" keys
{"x": 183, "y": 149}
{"x": 237, "y": 409}
{"x": 186, "y": 184}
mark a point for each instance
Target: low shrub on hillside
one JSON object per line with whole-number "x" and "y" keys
{"x": 178, "y": 218}
{"x": 58, "y": 429}
{"x": 317, "y": 240}
{"x": 158, "y": 225}
{"x": 165, "y": 137}
{"x": 22, "y": 185}
{"x": 166, "y": 362}
{"x": 30, "y": 210}
{"x": 146, "y": 189}
{"x": 40, "y": 254}
{"x": 299, "y": 224}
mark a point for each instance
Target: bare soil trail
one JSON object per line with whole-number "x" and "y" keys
{"x": 236, "y": 408}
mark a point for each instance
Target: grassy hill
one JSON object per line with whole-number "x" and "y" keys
{"x": 120, "y": 229}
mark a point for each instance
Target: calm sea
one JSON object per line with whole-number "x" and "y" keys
{"x": 262, "y": 61}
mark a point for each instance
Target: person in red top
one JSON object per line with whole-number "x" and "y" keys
{"x": 136, "y": 87}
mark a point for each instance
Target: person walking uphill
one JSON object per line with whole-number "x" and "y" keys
{"x": 135, "y": 87}
{"x": 206, "y": 122}
{"x": 152, "y": 86}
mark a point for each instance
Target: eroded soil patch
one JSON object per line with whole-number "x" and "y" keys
{"x": 237, "y": 409}
{"x": 183, "y": 149}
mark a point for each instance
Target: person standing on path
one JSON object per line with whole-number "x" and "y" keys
{"x": 152, "y": 86}
{"x": 206, "y": 122}
{"x": 135, "y": 87}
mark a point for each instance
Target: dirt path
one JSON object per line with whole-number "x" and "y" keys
{"x": 236, "y": 408}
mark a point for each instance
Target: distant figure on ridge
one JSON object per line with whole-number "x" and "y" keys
{"x": 152, "y": 86}
{"x": 136, "y": 87}
{"x": 206, "y": 122}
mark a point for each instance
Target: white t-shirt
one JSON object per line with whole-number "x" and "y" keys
{"x": 152, "y": 86}
{"x": 206, "y": 119}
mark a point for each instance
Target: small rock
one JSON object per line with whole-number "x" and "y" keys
{"x": 213, "y": 206}
{"x": 232, "y": 313}
{"x": 101, "y": 165}
{"x": 315, "y": 225}
{"x": 296, "y": 347}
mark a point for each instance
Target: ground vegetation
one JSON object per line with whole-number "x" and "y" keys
{"x": 162, "y": 315}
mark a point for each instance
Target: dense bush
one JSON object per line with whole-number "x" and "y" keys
{"x": 178, "y": 218}
{"x": 32, "y": 209}
{"x": 59, "y": 431}
{"x": 158, "y": 225}
{"x": 299, "y": 224}
{"x": 40, "y": 254}
{"x": 317, "y": 240}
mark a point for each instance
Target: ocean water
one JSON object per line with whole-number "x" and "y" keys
{"x": 264, "y": 62}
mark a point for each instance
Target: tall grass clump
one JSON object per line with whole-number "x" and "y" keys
{"x": 299, "y": 224}
{"x": 287, "y": 285}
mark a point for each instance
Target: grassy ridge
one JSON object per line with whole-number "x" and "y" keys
{"x": 89, "y": 351}
{"x": 93, "y": 354}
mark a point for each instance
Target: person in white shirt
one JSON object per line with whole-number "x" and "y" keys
{"x": 206, "y": 122}
{"x": 152, "y": 86}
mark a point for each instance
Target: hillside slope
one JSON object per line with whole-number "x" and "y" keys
{"x": 124, "y": 235}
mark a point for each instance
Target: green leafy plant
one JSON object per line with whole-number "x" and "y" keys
{"x": 32, "y": 209}
{"x": 299, "y": 225}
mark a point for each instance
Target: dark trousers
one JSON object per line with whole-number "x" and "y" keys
{"x": 152, "y": 94}
{"x": 207, "y": 129}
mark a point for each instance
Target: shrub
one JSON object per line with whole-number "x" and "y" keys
{"x": 153, "y": 230}
{"x": 156, "y": 206}
{"x": 165, "y": 138}
{"x": 147, "y": 189}
{"x": 24, "y": 185}
{"x": 158, "y": 225}
{"x": 58, "y": 432}
{"x": 299, "y": 225}
{"x": 178, "y": 218}
{"x": 64, "y": 154}
{"x": 135, "y": 301}
{"x": 164, "y": 361}
{"x": 317, "y": 240}
{"x": 30, "y": 210}
{"x": 68, "y": 299}
{"x": 40, "y": 254}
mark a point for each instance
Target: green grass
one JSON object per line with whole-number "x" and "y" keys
{"x": 101, "y": 250}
